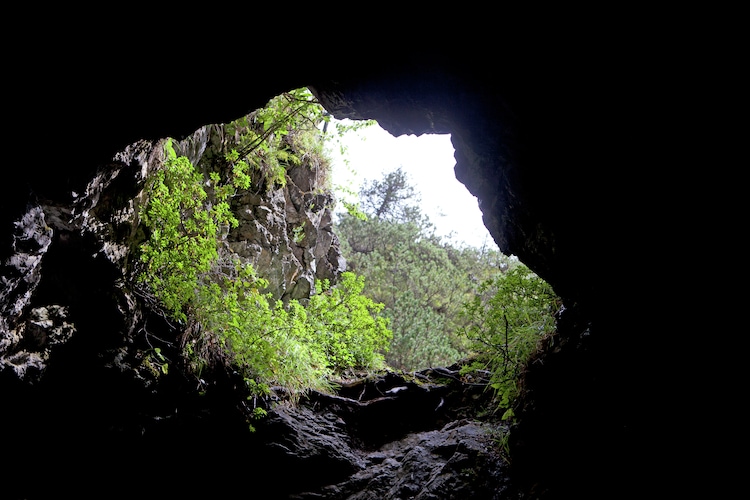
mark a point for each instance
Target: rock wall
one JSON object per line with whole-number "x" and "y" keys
{"x": 285, "y": 232}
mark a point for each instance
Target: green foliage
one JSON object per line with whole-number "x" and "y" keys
{"x": 298, "y": 234}
{"x": 156, "y": 362}
{"x": 421, "y": 280}
{"x": 353, "y": 210}
{"x": 292, "y": 346}
{"x": 348, "y": 325}
{"x": 445, "y": 303}
{"x": 182, "y": 239}
{"x": 507, "y": 318}
{"x": 427, "y": 303}
{"x": 282, "y": 134}
{"x": 220, "y": 299}
{"x": 270, "y": 342}
{"x": 334, "y": 140}
{"x": 393, "y": 199}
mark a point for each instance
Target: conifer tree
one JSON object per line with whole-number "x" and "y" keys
{"x": 421, "y": 279}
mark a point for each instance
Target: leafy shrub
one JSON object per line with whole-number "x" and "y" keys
{"x": 270, "y": 342}
{"x": 507, "y": 318}
{"x": 278, "y": 136}
{"x": 347, "y": 324}
{"x": 182, "y": 232}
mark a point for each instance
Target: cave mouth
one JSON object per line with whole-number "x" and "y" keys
{"x": 428, "y": 161}
{"x": 429, "y": 317}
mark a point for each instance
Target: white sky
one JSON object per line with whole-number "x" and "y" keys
{"x": 428, "y": 162}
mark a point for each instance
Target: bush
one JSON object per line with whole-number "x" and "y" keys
{"x": 507, "y": 318}
{"x": 271, "y": 343}
{"x": 347, "y": 324}
{"x": 182, "y": 232}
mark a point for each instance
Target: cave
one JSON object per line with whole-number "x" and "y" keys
{"x": 553, "y": 142}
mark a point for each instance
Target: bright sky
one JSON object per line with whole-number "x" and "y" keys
{"x": 428, "y": 162}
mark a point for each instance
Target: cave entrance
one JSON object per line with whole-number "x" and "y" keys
{"x": 428, "y": 161}
{"x": 433, "y": 266}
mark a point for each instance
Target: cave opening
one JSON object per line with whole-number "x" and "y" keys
{"x": 591, "y": 243}
{"x": 428, "y": 161}
{"x": 430, "y": 309}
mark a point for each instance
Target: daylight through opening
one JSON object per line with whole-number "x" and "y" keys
{"x": 420, "y": 243}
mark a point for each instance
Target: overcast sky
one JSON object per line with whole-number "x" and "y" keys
{"x": 428, "y": 162}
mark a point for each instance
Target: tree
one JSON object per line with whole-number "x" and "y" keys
{"x": 393, "y": 199}
{"x": 421, "y": 280}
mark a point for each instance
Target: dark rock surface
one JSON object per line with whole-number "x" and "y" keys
{"x": 425, "y": 435}
{"x": 560, "y": 131}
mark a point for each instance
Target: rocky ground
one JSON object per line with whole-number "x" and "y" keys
{"x": 426, "y": 435}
